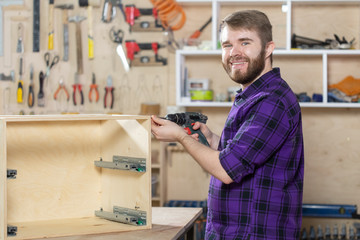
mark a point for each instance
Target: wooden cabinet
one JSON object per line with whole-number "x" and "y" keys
{"x": 308, "y": 70}
{"x": 58, "y": 184}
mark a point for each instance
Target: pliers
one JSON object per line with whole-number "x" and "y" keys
{"x": 109, "y": 90}
{"x": 61, "y": 86}
{"x": 78, "y": 86}
{"x": 94, "y": 87}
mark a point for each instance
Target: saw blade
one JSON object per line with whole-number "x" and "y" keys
{"x": 121, "y": 53}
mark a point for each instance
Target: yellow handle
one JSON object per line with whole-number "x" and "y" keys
{"x": 51, "y": 26}
{"x": 91, "y": 47}
{"x": 20, "y": 92}
{"x": 51, "y": 41}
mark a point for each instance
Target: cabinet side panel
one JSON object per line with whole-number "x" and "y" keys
{"x": 56, "y": 176}
{"x": 120, "y": 187}
{"x": 3, "y": 179}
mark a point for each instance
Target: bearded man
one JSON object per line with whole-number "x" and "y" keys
{"x": 257, "y": 164}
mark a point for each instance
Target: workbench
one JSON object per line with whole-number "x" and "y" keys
{"x": 167, "y": 223}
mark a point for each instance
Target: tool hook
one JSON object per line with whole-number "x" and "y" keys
{"x": 116, "y": 35}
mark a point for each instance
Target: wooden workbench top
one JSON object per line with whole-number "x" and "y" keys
{"x": 167, "y": 223}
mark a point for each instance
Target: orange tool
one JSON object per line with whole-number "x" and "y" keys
{"x": 31, "y": 96}
{"x": 197, "y": 33}
{"x": 94, "y": 87}
{"x": 61, "y": 87}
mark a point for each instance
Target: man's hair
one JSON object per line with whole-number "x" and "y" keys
{"x": 250, "y": 20}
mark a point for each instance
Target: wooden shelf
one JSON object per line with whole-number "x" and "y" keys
{"x": 286, "y": 24}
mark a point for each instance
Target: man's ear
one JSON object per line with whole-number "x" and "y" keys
{"x": 270, "y": 46}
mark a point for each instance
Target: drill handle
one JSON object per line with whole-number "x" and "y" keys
{"x": 190, "y": 130}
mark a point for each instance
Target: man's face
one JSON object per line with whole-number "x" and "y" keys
{"x": 243, "y": 57}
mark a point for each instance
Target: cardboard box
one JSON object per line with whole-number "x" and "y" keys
{"x": 58, "y": 188}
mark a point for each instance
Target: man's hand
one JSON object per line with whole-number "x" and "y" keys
{"x": 165, "y": 130}
{"x": 212, "y": 138}
{"x": 208, "y": 158}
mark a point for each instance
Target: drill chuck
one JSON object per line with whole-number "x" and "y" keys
{"x": 186, "y": 118}
{"x": 178, "y": 118}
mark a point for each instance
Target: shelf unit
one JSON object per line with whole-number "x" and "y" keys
{"x": 158, "y": 169}
{"x": 286, "y": 11}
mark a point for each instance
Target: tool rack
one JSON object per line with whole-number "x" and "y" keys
{"x": 52, "y": 185}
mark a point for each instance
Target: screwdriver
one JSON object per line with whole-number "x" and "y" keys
{"x": 197, "y": 33}
{"x": 31, "y": 88}
{"x": 20, "y": 92}
{"x": 41, "y": 95}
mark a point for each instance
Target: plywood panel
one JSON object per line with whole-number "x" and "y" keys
{"x": 302, "y": 73}
{"x": 324, "y": 21}
{"x": 331, "y": 156}
{"x": 342, "y": 66}
{"x": 55, "y": 168}
{"x": 3, "y": 179}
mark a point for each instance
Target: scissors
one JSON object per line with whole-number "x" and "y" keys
{"x": 49, "y": 63}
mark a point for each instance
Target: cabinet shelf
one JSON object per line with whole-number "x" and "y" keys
{"x": 317, "y": 67}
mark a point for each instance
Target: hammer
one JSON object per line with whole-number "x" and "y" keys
{"x": 65, "y": 8}
{"x": 51, "y": 25}
{"x": 90, "y": 4}
{"x": 77, "y": 20}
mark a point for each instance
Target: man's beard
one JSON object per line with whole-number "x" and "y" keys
{"x": 255, "y": 67}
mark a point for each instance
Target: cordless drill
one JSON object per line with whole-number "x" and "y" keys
{"x": 187, "y": 120}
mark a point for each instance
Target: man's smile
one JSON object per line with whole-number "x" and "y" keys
{"x": 238, "y": 63}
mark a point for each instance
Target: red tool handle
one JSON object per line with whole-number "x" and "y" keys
{"x": 81, "y": 94}
{"x": 110, "y": 91}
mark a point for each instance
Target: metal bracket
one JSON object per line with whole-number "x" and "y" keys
{"x": 10, "y": 77}
{"x": 124, "y": 215}
{"x": 11, "y": 230}
{"x": 11, "y": 173}
{"x": 124, "y": 163}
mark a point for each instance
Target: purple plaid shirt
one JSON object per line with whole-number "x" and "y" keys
{"x": 262, "y": 151}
